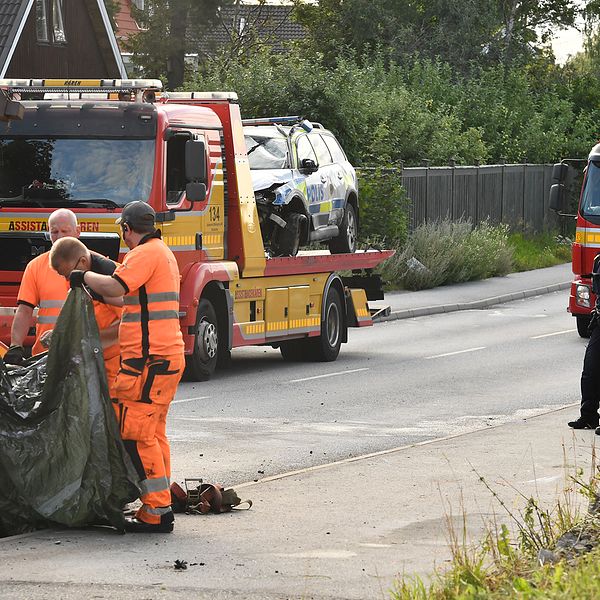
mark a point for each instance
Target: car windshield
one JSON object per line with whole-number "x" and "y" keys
{"x": 75, "y": 170}
{"x": 267, "y": 152}
{"x": 590, "y": 199}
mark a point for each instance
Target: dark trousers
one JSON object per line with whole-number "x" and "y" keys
{"x": 590, "y": 379}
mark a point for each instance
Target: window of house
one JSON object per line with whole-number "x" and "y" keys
{"x": 41, "y": 16}
{"x": 50, "y": 22}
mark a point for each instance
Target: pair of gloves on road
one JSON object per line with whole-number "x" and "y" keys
{"x": 15, "y": 355}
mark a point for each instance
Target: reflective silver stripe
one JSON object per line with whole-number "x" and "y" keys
{"x": 161, "y": 510}
{"x": 159, "y": 297}
{"x": 154, "y": 485}
{"x": 52, "y": 303}
{"x": 47, "y": 319}
{"x": 153, "y": 315}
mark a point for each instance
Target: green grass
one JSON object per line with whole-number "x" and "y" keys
{"x": 502, "y": 567}
{"x": 448, "y": 252}
{"x": 538, "y": 251}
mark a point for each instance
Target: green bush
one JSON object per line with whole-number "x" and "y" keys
{"x": 384, "y": 207}
{"x": 539, "y": 251}
{"x": 450, "y": 252}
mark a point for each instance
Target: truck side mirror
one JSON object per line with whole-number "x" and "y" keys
{"x": 558, "y": 197}
{"x": 308, "y": 165}
{"x": 560, "y": 172}
{"x": 195, "y": 170}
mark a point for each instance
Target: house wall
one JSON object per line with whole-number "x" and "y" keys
{"x": 80, "y": 57}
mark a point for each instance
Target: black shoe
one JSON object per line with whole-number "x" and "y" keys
{"x": 581, "y": 423}
{"x": 134, "y": 525}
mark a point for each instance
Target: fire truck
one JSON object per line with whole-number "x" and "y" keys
{"x": 95, "y": 145}
{"x": 587, "y": 235}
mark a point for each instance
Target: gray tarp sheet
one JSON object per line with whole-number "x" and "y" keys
{"x": 61, "y": 458}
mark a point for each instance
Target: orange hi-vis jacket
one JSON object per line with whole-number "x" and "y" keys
{"x": 150, "y": 318}
{"x": 43, "y": 287}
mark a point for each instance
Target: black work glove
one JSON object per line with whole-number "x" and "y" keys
{"x": 15, "y": 355}
{"x": 76, "y": 279}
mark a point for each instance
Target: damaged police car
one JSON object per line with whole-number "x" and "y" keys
{"x": 304, "y": 186}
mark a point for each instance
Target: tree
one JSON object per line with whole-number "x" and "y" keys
{"x": 457, "y": 31}
{"x": 171, "y": 29}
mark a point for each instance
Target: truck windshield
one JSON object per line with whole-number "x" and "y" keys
{"x": 50, "y": 170}
{"x": 590, "y": 199}
{"x": 267, "y": 152}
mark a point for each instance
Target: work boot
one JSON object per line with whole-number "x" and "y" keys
{"x": 582, "y": 423}
{"x": 134, "y": 525}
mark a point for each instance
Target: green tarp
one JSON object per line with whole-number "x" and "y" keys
{"x": 61, "y": 458}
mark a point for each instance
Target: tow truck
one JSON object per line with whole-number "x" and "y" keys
{"x": 95, "y": 145}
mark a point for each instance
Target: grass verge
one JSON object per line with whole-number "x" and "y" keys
{"x": 448, "y": 252}
{"x": 554, "y": 554}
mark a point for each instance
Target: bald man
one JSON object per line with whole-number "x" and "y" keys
{"x": 41, "y": 287}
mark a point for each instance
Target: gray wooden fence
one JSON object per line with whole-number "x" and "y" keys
{"x": 513, "y": 194}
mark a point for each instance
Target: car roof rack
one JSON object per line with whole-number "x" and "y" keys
{"x": 288, "y": 120}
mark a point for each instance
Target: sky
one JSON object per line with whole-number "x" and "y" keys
{"x": 567, "y": 43}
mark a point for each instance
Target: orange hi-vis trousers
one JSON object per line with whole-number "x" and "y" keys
{"x": 143, "y": 392}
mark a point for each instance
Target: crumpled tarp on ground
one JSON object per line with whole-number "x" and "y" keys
{"x": 61, "y": 458}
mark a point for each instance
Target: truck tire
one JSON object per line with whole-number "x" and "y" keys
{"x": 326, "y": 347}
{"x": 346, "y": 241}
{"x": 288, "y": 238}
{"x": 201, "y": 364}
{"x": 294, "y": 350}
{"x": 583, "y": 322}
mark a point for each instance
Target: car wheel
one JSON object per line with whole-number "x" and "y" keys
{"x": 201, "y": 364}
{"x": 287, "y": 241}
{"x": 327, "y": 346}
{"x": 346, "y": 241}
{"x": 583, "y": 322}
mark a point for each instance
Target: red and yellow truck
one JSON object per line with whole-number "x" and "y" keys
{"x": 95, "y": 145}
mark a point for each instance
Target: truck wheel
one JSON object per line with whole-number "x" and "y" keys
{"x": 327, "y": 346}
{"x": 201, "y": 364}
{"x": 288, "y": 238}
{"x": 583, "y": 322}
{"x": 346, "y": 241}
{"x": 294, "y": 350}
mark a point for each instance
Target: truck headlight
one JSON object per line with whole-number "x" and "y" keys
{"x": 582, "y": 295}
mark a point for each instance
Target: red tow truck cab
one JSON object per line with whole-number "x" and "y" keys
{"x": 95, "y": 145}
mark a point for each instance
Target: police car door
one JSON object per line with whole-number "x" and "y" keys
{"x": 330, "y": 185}
{"x": 314, "y": 187}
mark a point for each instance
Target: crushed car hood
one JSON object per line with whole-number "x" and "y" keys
{"x": 263, "y": 179}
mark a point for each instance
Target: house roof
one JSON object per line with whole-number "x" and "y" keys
{"x": 126, "y": 24}
{"x": 14, "y": 14}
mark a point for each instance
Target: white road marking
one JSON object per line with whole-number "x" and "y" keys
{"x": 328, "y": 375}
{"x": 548, "y": 479}
{"x": 189, "y": 399}
{"x": 545, "y": 335}
{"x": 454, "y": 353}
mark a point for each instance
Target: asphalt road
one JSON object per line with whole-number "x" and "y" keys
{"x": 393, "y": 384}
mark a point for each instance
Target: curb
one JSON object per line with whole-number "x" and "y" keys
{"x": 408, "y": 313}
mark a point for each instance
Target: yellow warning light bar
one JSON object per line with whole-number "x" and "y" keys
{"x": 136, "y": 86}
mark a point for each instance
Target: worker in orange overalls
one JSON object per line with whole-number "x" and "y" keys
{"x": 68, "y": 254}
{"x": 41, "y": 287}
{"x": 152, "y": 359}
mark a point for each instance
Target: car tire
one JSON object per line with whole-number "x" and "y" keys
{"x": 346, "y": 241}
{"x": 288, "y": 238}
{"x": 326, "y": 347}
{"x": 583, "y": 322}
{"x": 201, "y": 364}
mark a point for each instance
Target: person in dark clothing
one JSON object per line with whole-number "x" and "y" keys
{"x": 590, "y": 376}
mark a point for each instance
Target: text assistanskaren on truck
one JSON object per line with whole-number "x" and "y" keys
{"x": 95, "y": 145}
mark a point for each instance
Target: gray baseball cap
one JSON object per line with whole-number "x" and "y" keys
{"x": 137, "y": 214}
